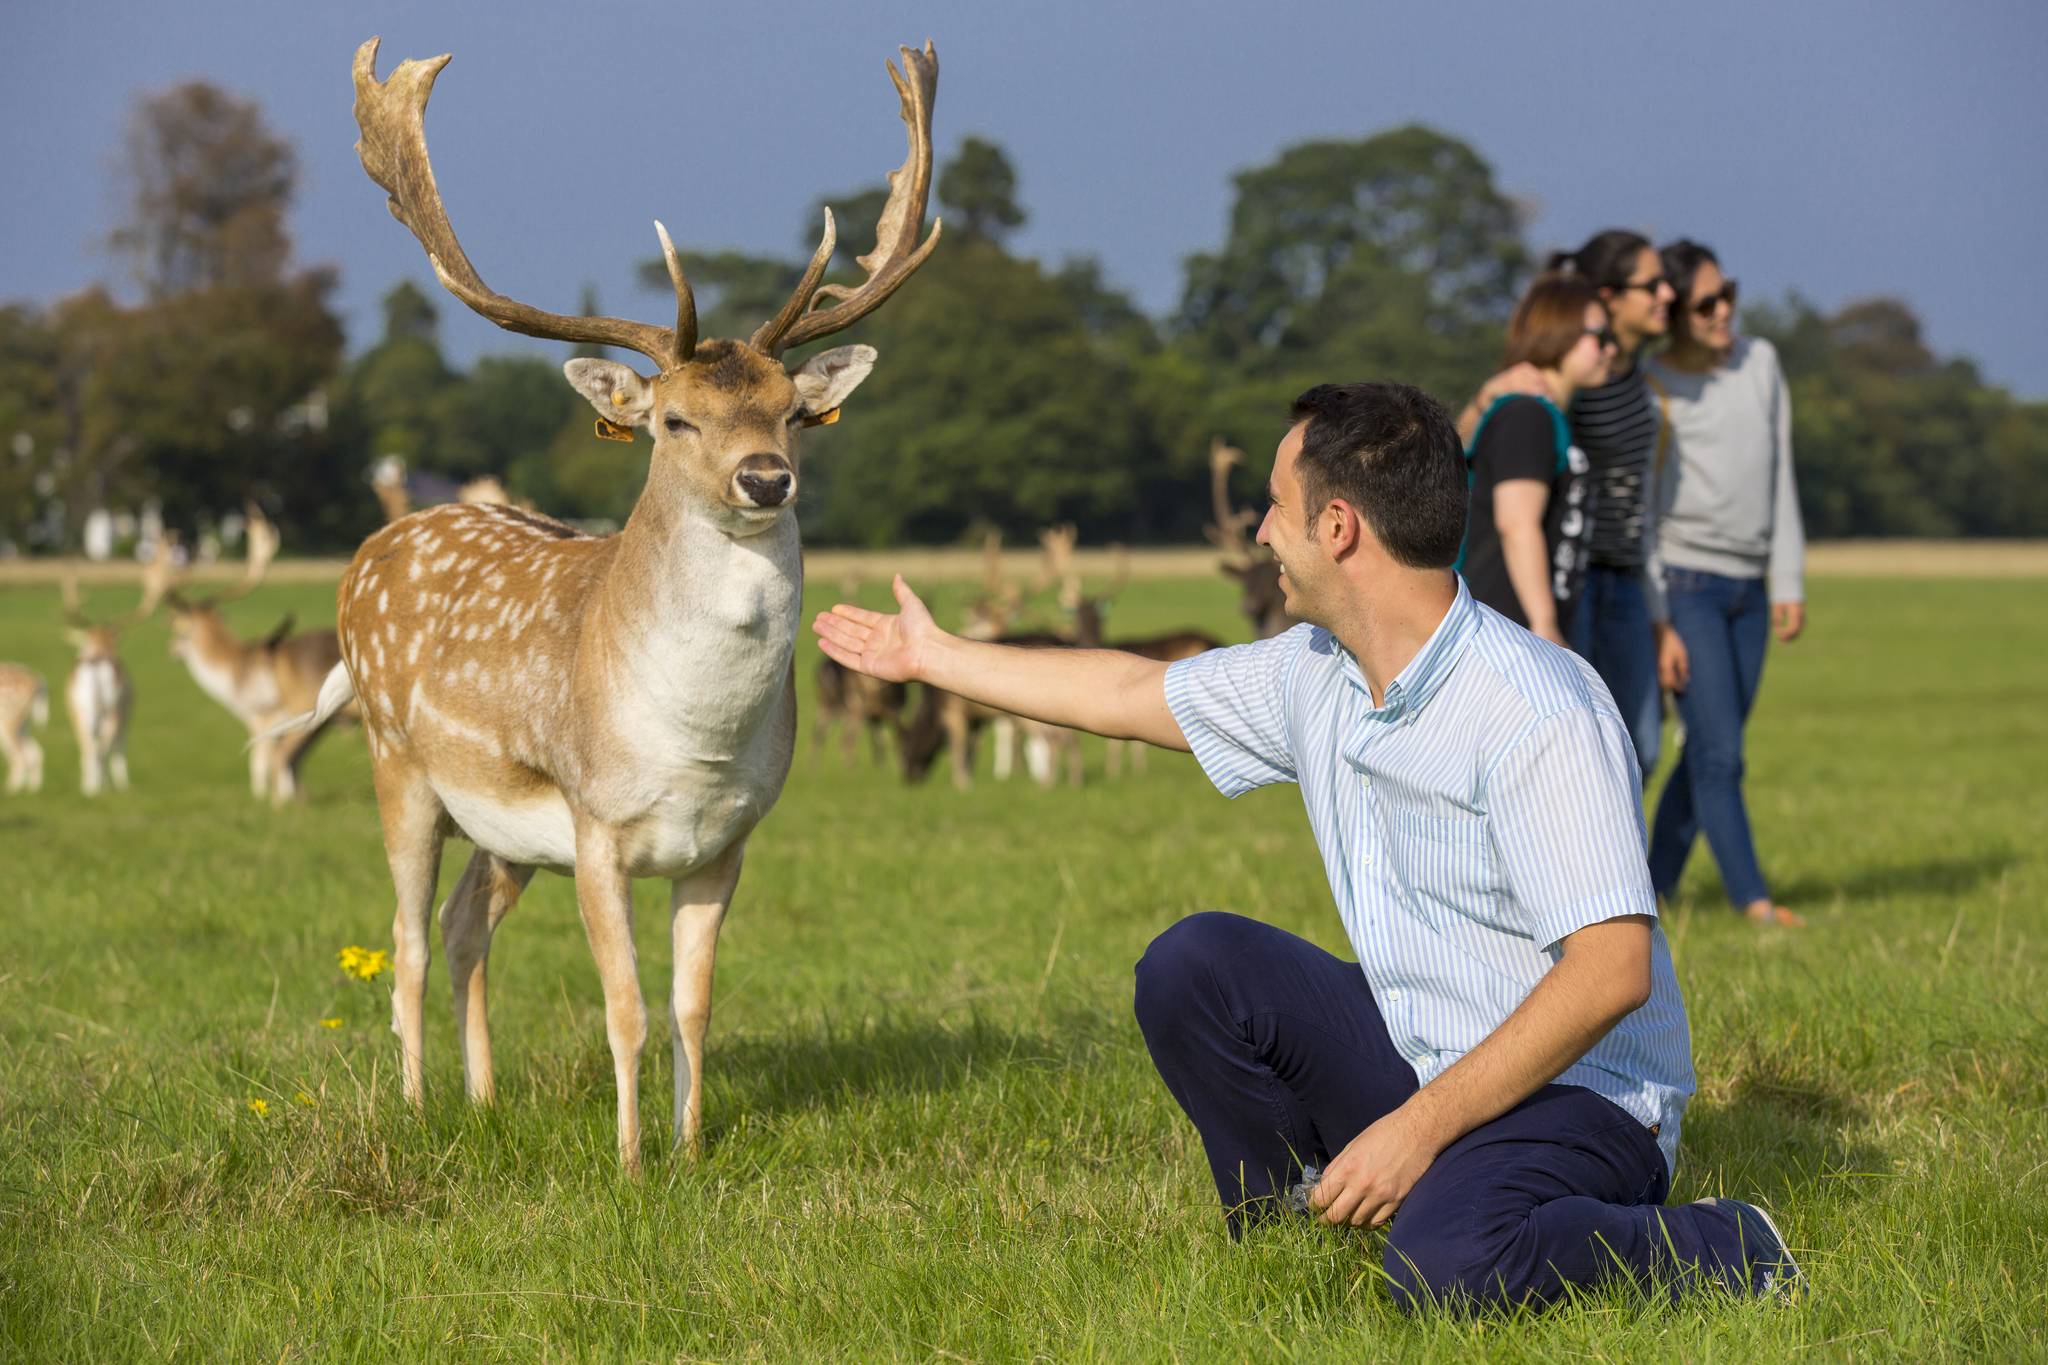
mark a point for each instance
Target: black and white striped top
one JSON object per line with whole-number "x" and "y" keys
{"x": 1616, "y": 425}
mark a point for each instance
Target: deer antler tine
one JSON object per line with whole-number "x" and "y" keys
{"x": 767, "y": 339}
{"x": 686, "y": 299}
{"x": 263, "y": 546}
{"x": 74, "y": 610}
{"x": 897, "y": 253}
{"x": 391, "y": 114}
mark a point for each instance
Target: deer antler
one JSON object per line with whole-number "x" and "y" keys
{"x": 393, "y": 148}
{"x": 263, "y": 545}
{"x": 156, "y": 581}
{"x": 897, "y": 253}
{"x": 74, "y": 610}
{"x": 1226, "y": 533}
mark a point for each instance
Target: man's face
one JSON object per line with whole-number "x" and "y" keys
{"x": 1288, "y": 530}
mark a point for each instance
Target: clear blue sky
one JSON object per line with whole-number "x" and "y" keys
{"x": 1840, "y": 149}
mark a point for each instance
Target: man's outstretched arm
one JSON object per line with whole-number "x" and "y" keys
{"x": 1104, "y": 691}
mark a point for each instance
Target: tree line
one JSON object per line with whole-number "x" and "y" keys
{"x": 1013, "y": 393}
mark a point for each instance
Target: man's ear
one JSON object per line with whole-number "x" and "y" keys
{"x": 829, "y": 376}
{"x": 1345, "y": 531}
{"x": 618, "y": 394}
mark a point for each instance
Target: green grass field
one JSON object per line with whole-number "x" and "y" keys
{"x": 933, "y": 1132}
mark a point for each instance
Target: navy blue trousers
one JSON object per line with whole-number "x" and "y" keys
{"x": 1276, "y": 1051}
{"x": 1610, "y": 629}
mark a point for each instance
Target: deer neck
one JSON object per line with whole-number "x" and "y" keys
{"x": 696, "y": 620}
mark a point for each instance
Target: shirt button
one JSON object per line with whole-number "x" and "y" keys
{"x": 1393, "y": 997}
{"x": 1365, "y": 779}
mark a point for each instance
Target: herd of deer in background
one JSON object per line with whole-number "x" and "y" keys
{"x": 265, "y": 680}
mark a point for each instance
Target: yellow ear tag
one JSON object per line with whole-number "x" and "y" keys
{"x": 612, "y": 431}
{"x": 823, "y": 419}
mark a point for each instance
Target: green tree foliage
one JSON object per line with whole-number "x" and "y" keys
{"x": 979, "y": 187}
{"x": 1893, "y": 440}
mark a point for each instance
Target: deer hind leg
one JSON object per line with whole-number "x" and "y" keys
{"x": 91, "y": 769}
{"x": 116, "y": 750}
{"x": 1076, "y": 764}
{"x": 16, "y": 748}
{"x": 960, "y": 739}
{"x": 32, "y": 763}
{"x": 412, "y": 816}
{"x": 487, "y": 890}
{"x": 290, "y": 758}
{"x": 697, "y": 906}
{"x": 604, "y": 895}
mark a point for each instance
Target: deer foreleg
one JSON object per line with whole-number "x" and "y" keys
{"x": 697, "y": 906}
{"x": 1006, "y": 747}
{"x": 411, "y": 815}
{"x": 262, "y": 758}
{"x": 604, "y": 895}
{"x": 487, "y": 890}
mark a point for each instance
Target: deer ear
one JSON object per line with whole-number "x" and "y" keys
{"x": 829, "y": 376}
{"x": 618, "y": 394}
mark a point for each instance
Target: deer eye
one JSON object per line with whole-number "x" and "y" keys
{"x": 795, "y": 417}
{"x": 677, "y": 424}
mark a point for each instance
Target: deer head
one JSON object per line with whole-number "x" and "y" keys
{"x": 723, "y": 414}
{"x": 197, "y": 619}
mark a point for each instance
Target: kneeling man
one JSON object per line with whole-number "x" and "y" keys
{"x": 1503, "y": 1070}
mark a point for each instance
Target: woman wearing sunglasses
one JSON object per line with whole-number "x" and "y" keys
{"x": 1616, "y": 424}
{"x": 1525, "y": 536}
{"x": 1728, "y": 524}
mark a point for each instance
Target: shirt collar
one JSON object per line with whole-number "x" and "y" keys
{"x": 1411, "y": 690}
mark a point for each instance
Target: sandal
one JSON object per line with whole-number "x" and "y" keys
{"x": 1773, "y": 913}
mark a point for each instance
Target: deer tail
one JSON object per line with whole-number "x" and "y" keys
{"x": 336, "y": 692}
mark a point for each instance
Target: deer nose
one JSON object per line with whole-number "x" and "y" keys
{"x": 765, "y": 480}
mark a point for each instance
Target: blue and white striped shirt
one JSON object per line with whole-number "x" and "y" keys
{"x": 1489, "y": 808}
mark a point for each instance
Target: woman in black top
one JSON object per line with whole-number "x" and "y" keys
{"x": 1531, "y": 512}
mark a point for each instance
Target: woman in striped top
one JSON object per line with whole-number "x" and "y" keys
{"x": 1616, "y": 425}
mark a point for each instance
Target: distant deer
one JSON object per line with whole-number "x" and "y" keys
{"x": 853, "y": 702}
{"x": 261, "y": 682}
{"x": 24, "y": 705}
{"x": 619, "y": 706}
{"x": 98, "y": 693}
{"x": 1258, "y": 577}
{"x": 1091, "y": 632}
{"x": 947, "y": 721}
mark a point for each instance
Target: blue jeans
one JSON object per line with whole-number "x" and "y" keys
{"x": 1726, "y": 625}
{"x": 1277, "y": 1052}
{"x": 1610, "y": 630}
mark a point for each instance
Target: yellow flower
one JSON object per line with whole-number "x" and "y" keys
{"x": 259, "y": 1107}
{"x": 303, "y": 1098}
{"x": 331, "y": 1023}
{"x": 363, "y": 963}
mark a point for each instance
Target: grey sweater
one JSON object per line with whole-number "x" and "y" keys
{"x": 1726, "y": 498}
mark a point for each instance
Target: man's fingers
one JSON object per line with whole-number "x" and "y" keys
{"x": 848, "y": 635}
{"x": 850, "y": 612}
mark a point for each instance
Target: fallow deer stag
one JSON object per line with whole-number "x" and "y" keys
{"x": 1258, "y": 577}
{"x": 622, "y": 706}
{"x": 261, "y": 682}
{"x": 98, "y": 693}
{"x": 24, "y": 705}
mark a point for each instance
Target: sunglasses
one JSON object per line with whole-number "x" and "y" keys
{"x": 1649, "y": 286}
{"x": 1706, "y": 307}
{"x": 1605, "y": 337}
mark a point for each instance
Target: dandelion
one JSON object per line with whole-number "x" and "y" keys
{"x": 331, "y": 1023}
{"x": 303, "y": 1098}
{"x": 259, "y": 1107}
{"x": 363, "y": 963}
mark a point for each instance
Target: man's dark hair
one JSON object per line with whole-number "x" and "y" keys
{"x": 1393, "y": 453}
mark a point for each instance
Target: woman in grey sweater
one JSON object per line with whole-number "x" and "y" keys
{"x": 1732, "y": 550}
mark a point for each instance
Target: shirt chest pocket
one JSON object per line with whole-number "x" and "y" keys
{"x": 1444, "y": 862}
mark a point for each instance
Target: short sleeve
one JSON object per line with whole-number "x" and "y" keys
{"x": 1231, "y": 704}
{"x": 1564, "y": 807}
{"x": 1519, "y": 442}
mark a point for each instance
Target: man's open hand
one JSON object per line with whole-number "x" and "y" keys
{"x": 1370, "y": 1178}
{"x": 891, "y": 648}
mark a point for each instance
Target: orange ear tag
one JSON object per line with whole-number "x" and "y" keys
{"x": 823, "y": 419}
{"x": 612, "y": 431}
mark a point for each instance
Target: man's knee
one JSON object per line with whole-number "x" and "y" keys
{"x": 1182, "y": 959}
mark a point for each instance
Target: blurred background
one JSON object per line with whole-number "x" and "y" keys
{"x": 1162, "y": 221}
